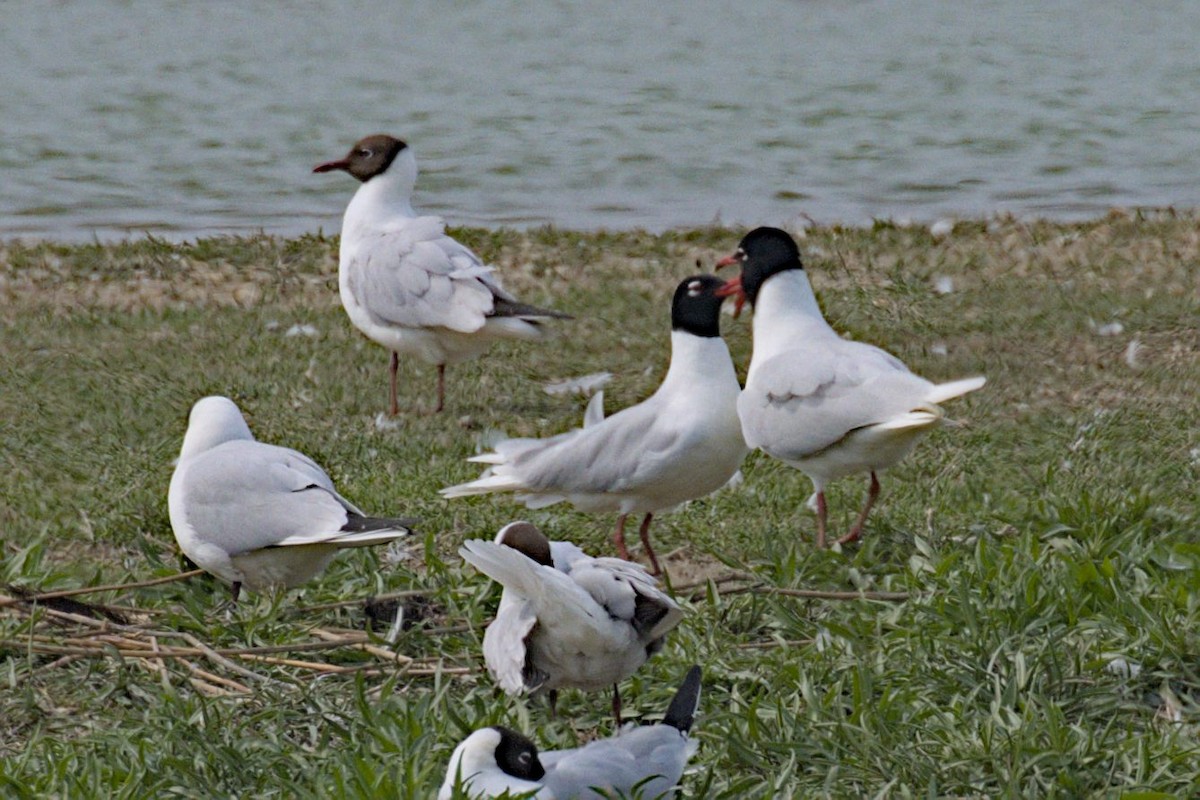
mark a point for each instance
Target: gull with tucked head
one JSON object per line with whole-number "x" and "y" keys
{"x": 257, "y": 515}
{"x": 567, "y": 620}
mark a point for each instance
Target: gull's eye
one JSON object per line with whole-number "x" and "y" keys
{"x": 365, "y": 153}
{"x": 525, "y": 758}
{"x": 695, "y": 288}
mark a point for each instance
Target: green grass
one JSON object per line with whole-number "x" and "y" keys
{"x": 1051, "y": 534}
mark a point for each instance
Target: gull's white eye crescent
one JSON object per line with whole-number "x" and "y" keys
{"x": 365, "y": 153}
{"x": 695, "y": 288}
{"x": 524, "y": 759}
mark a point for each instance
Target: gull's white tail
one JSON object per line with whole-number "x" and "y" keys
{"x": 947, "y": 391}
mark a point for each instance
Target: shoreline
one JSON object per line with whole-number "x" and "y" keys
{"x": 794, "y": 221}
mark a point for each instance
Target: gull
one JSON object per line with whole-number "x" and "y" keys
{"x": 567, "y": 619}
{"x": 645, "y": 761}
{"x": 407, "y": 285}
{"x": 681, "y": 443}
{"x": 257, "y": 515}
{"x": 820, "y": 403}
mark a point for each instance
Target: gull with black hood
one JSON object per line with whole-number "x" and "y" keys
{"x": 681, "y": 443}
{"x": 828, "y": 406}
{"x": 645, "y": 761}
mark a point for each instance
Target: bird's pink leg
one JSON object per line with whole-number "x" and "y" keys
{"x": 619, "y": 538}
{"x": 822, "y": 512}
{"x": 394, "y": 408}
{"x": 856, "y": 532}
{"x": 441, "y": 401}
{"x": 644, "y": 533}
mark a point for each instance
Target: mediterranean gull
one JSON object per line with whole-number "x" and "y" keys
{"x": 681, "y": 443}
{"x": 825, "y": 405}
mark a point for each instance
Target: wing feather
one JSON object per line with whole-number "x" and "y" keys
{"x": 796, "y": 405}
{"x": 417, "y": 276}
{"x": 246, "y": 495}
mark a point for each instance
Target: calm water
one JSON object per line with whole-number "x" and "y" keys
{"x": 189, "y": 118}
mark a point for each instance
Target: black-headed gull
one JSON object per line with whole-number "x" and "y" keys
{"x": 258, "y": 515}
{"x": 405, "y": 283}
{"x": 567, "y": 620}
{"x": 645, "y": 761}
{"x": 825, "y": 405}
{"x": 681, "y": 443}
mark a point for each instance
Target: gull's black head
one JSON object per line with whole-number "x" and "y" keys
{"x": 696, "y": 307}
{"x": 517, "y": 755}
{"x": 763, "y": 252}
{"x": 369, "y": 157}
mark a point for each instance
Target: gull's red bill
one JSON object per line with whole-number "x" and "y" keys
{"x": 732, "y": 288}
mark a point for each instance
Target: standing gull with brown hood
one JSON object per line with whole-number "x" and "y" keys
{"x": 405, "y": 283}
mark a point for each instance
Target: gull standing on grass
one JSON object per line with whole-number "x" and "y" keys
{"x": 406, "y": 284}
{"x": 681, "y": 443}
{"x": 258, "y": 515}
{"x": 827, "y": 406}
{"x": 644, "y": 761}
{"x": 567, "y": 620}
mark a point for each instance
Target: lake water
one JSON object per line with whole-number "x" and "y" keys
{"x": 192, "y": 118}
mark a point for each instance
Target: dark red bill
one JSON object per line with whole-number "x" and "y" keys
{"x": 330, "y": 166}
{"x": 733, "y": 288}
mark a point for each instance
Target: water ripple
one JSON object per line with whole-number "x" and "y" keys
{"x": 159, "y": 115}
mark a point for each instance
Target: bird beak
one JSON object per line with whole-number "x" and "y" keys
{"x": 329, "y": 166}
{"x": 732, "y": 288}
{"x": 728, "y": 261}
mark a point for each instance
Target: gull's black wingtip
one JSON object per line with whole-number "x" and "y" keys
{"x": 511, "y": 308}
{"x": 357, "y": 523}
{"x": 682, "y": 710}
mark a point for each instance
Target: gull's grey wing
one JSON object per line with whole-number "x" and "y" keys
{"x": 645, "y": 762}
{"x": 417, "y": 276}
{"x": 632, "y": 449}
{"x": 245, "y": 495}
{"x": 800, "y": 402}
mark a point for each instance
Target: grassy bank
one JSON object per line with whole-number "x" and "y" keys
{"x": 1048, "y": 547}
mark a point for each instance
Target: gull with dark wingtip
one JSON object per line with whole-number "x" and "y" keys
{"x": 828, "y": 406}
{"x": 407, "y": 285}
{"x": 258, "y": 515}
{"x": 681, "y": 443}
